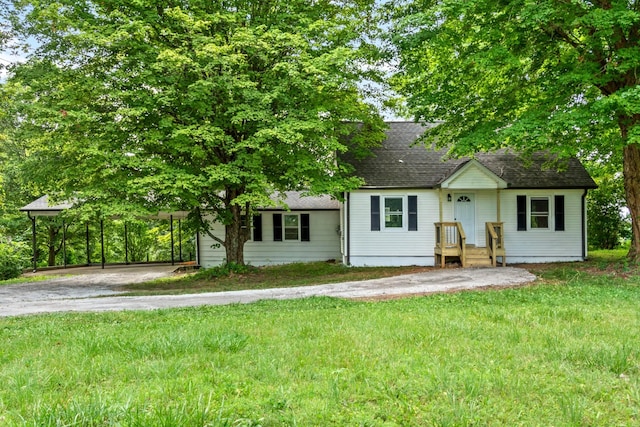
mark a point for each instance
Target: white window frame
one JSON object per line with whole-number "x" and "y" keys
{"x": 284, "y": 227}
{"x": 404, "y": 213}
{"x": 548, "y": 213}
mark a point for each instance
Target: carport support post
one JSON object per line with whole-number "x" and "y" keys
{"x": 87, "y": 242}
{"x": 126, "y": 245}
{"x": 102, "y": 241}
{"x": 33, "y": 240}
{"x": 64, "y": 244}
{"x": 172, "y": 243}
{"x": 180, "y": 240}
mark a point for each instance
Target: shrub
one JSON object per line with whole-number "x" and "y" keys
{"x": 225, "y": 270}
{"x": 13, "y": 258}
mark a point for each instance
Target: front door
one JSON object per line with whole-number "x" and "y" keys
{"x": 465, "y": 213}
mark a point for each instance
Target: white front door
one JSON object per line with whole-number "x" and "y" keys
{"x": 465, "y": 213}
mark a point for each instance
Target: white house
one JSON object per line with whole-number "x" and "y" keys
{"x": 417, "y": 209}
{"x": 309, "y": 230}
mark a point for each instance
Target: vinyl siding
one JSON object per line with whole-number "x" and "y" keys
{"x": 392, "y": 247}
{"x": 473, "y": 178}
{"x": 403, "y": 247}
{"x": 543, "y": 245}
{"x": 387, "y": 247}
{"x": 324, "y": 242}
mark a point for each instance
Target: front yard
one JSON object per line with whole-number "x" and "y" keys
{"x": 560, "y": 352}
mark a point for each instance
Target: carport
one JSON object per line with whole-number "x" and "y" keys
{"x": 42, "y": 208}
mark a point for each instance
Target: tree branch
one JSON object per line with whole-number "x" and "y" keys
{"x": 204, "y": 226}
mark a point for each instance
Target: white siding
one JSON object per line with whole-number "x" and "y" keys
{"x": 537, "y": 245}
{"x": 324, "y": 243}
{"x": 403, "y": 247}
{"x": 472, "y": 178}
{"x": 392, "y": 247}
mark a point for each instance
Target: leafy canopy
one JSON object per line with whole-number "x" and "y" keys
{"x": 560, "y": 76}
{"x": 555, "y": 75}
{"x": 185, "y": 104}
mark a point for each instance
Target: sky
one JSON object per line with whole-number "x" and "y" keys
{"x": 7, "y": 59}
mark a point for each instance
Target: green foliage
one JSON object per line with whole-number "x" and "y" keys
{"x": 14, "y": 257}
{"x": 561, "y": 354}
{"x": 224, "y": 270}
{"x": 560, "y": 76}
{"x": 209, "y": 107}
{"x": 527, "y": 75}
{"x": 608, "y": 224}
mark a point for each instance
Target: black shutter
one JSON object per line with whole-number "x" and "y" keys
{"x": 257, "y": 228}
{"x": 522, "y": 213}
{"x": 375, "y": 213}
{"x": 413, "y": 213}
{"x": 559, "y": 209}
{"x": 277, "y": 227}
{"x": 305, "y": 232}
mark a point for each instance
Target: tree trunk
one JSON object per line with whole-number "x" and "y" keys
{"x": 235, "y": 235}
{"x": 632, "y": 190}
{"x": 51, "y": 259}
{"x": 234, "y": 244}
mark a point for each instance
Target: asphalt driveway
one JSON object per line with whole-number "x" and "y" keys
{"x": 79, "y": 291}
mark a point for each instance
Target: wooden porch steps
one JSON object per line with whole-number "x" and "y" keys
{"x": 451, "y": 243}
{"x": 477, "y": 257}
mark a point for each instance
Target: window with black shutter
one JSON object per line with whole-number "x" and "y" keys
{"x": 522, "y": 212}
{"x": 375, "y": 213}
{"x": 305, "y": 231}
{"x": 413, "y": 213}
{"x": 277, "y": 227}
{"x": 559, "y": 213}
{"x": 257, "y": 228}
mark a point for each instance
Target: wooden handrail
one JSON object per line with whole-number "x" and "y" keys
{"x": 462, "y": 242}
{"x": 492, "y": 238}
{"x": 495, "y": 241}
{"x": 449, "y": 234}
{"x": 451, "y": 240}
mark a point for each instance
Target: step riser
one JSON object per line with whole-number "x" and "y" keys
{"x": 478, "y": 257}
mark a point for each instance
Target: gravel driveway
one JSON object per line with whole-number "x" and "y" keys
{"x": 78, "y": 292}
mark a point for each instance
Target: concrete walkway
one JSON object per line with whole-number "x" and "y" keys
{"x": 76, "y": 293}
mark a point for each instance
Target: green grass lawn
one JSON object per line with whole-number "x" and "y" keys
{"x": 562, "y": 352}
{"x": 277, "y": 276}
{"x": 31, "y": 279}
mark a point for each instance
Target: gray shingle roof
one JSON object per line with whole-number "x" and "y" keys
{"x": 398, "y": 164}
{"x": 42, "y": 205}
{"x": 296, "y": 201}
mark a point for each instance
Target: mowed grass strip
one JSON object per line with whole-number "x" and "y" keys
{"x": 558, "y": 354}
{"x": 278, "y": 276}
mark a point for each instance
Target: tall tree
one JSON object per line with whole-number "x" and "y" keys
{"x": 533, "y": 75}
{"x": 210, "y": 106}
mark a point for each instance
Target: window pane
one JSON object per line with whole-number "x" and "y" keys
{"x": 539, "y": 222}
{"x": 291, "y": 220}
{"x": 539, "y": 212}
{"x": 393, "y": 215}
{"x": 393, "y": 205}
{"x": 290, "y": 234}
{"x": 393, "y": 221}
{"x": 291, "y": 227}
{"x": 539, "y": 206}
